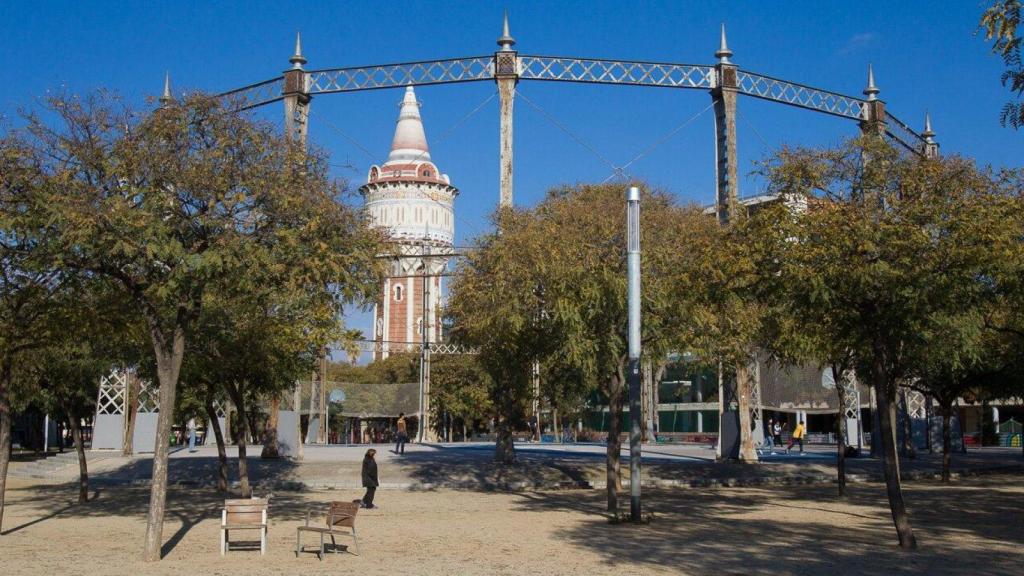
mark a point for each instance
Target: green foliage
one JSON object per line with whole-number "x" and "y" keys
{"x": 886, "y": 265}
{"x": 1001, "y": 23}
{"x": 224, "y": 235}
{"x": 459, "y": 386}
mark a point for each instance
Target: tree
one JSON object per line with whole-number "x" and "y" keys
{"x": 93, "y": 332}
{"x": 1001, "y": 22}
{"x": 552, "y": 285}
{"x": 715, "y": 281}
{"x": 887, "y": 252}
{"x": 173, "y": 202}
{"x": 458, "y": 387}
{"x": 493, "y": 307}
{"x": 26, "y": 287}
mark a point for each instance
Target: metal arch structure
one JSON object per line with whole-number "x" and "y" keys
{"x": 506, "y": 67}
{"x": 724, "y": 81}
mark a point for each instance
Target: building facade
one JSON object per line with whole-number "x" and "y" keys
{"x": 410, "y": 197}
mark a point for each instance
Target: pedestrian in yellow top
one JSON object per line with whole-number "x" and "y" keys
{"x": 798, "y": 438}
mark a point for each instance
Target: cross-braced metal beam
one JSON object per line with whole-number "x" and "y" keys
{"x": 898, "y": 131}
{"x": 255, "y": 95}
{"x": 596, "y": 71}
{"x": 768, "y": 88}
{"x": 395, "y": 75}
{"x": 393, "y": 347}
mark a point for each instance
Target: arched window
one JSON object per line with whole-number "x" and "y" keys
{"x": 398, "y": 292}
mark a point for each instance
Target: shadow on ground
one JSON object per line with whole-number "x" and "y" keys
{"x": 697, "y": 531}
{"x": 111, "y": 495}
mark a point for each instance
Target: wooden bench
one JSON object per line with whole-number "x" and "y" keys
{"x": 340, "y": 520}
{"x": 244, "y": 514}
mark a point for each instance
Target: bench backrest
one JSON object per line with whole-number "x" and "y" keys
{"x": 342, "y": 514}
{"x": 245, "y": 511}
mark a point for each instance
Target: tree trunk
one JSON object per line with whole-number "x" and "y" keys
{"x": 168, "y": 366}
{"x": 656, "y": 399}
{"x": 222, "y": 452}
{"x": 614, "y": 447}
{"x": 895, "y": 446}
{"x": 270, "y": 449}
{"x": 504, "y": 448}
{"x": 841, "y": 451}
{"x": 241, "y": 438}
{"x": 5, "y": 439}
{"x": 83, "y": 469}
{"x": 947, "y": 433}
{"x": 131, "y": 412}
{"x": 890, "y": 465}
{"x": 744, "y": 387}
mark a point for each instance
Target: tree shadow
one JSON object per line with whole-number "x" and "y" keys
{"x": 124, "y": 492}
{"x": 743, "y": 531}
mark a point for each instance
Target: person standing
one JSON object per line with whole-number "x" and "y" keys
{"x": 403, "y": 435}
{"x": 191, "y": 427}
{"x": 798, "y": 437}
{"x": 776, "y": 431}
{"x": 370, "y": 481}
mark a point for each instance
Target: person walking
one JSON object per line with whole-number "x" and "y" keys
{"x": 768, "y": 443}
{"x": 370, "y": 481}
{"x": 403, "y": 435}
{"x": 798, "y": 438}
{"x": 776, "y": 431}
{"x": 191, "y": 427}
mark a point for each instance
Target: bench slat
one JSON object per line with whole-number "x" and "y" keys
{"x": 245, "y": 502}
{"x": 231, "y": 508}
{"x": 245, "y": 518}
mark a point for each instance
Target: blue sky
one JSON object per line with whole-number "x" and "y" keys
{"x": 926, "y": 56}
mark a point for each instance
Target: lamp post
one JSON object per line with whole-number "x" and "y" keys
{"x": 633, "y": 368}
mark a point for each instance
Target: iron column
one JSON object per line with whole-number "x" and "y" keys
{"x": 296, "y": 96}
{"x": 723, "y": 94}
{"x": 506, "y": 74}
{"x": 633, "y": 369}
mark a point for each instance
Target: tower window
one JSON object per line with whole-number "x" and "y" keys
{"x": 398, "y": 293}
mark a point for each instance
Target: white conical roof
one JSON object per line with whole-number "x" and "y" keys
{"x": 410, "y": 142}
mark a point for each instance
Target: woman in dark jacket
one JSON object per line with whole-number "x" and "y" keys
{"x": 370, "y": 478}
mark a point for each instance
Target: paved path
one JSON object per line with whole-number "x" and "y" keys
{"x": 471, "y": 466}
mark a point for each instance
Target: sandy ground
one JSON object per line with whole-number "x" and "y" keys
{"x": 975, "y": 526}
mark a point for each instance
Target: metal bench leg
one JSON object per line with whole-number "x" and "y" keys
{"x": 298, "y": 542}
{"x": 223, "y": 541}
{"x": 355, "y": 540}
{"x": 320, "y": 552}
{"x": 263, "y": 541}
{"x": 334, "y": 545}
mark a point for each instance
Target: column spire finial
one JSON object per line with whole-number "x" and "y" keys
{"x": 723, "y": 53}
{"x": 166, "y": 98}
{"x": 506, "y": 41}
{"x": 871, "y": 91}
{"x": 297, "y": 59}
{"x": 929, "y": 134}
